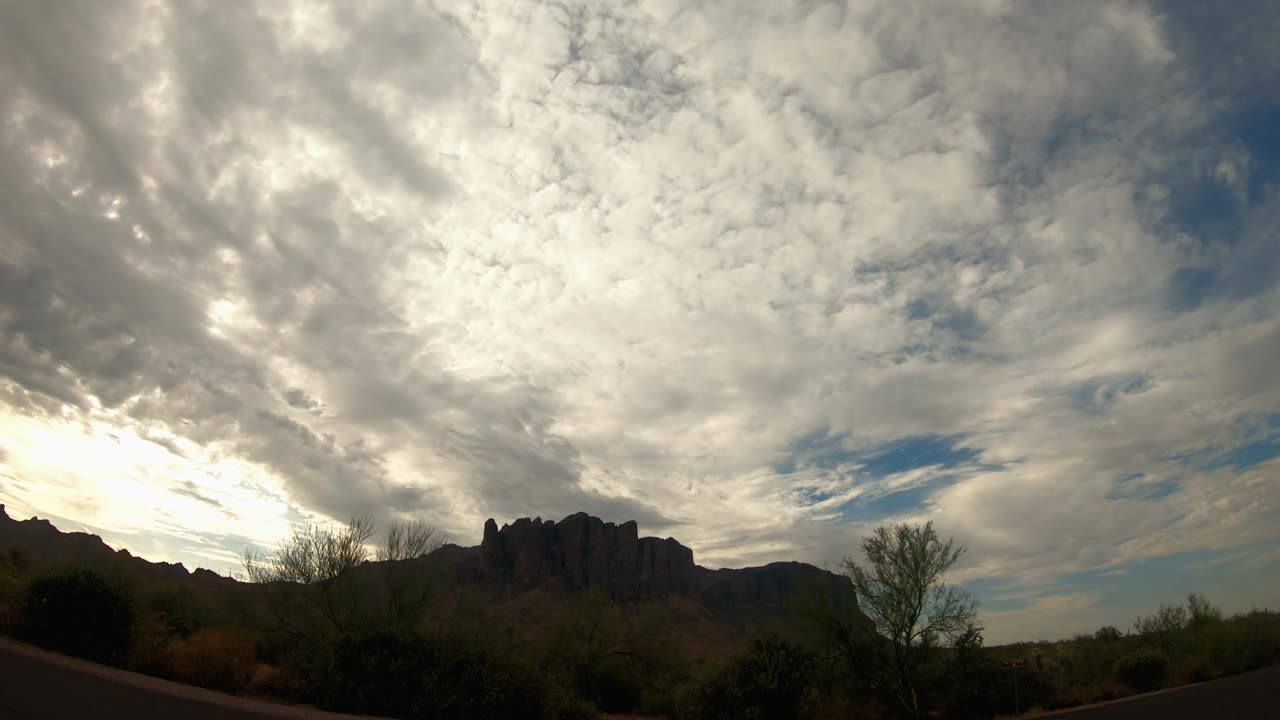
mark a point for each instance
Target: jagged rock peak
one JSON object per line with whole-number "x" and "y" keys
{"x": 582, "y": 551}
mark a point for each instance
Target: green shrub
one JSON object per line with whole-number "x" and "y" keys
{"x": 18, "y": 558}
{"x": 1194, "y": 669}
{"x": 1108, "y": 633}
{"x": 417, "y": 677}
{"x": 971, "y": 683}
{"x": 181, "y": 610}
{"x": 78, "y": 612}
{"x": 1023, "y": 688}
{"x": 564, "y": 704}
{"x": 1143, "y": 671}
{"x": 771, "y": 679}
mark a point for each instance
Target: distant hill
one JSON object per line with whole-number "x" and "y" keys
{"x": 523, "y": 572}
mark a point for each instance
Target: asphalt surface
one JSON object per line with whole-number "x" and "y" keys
{"x": 1251, "y": 696}
{"x": 40, "y": 685}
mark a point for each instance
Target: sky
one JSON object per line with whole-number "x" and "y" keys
{"x": 757, "y": 275}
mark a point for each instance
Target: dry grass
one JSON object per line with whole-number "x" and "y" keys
{"x": 218, "y": 658}
{"x": 272, "y": 681}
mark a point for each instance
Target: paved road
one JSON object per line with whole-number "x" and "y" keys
{"x": 39, "y": 685}
{"x": 1251, "y": 696}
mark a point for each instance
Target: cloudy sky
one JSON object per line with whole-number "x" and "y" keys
{"x": 757, "y": 275}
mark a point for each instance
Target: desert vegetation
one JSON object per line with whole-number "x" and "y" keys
{"x": 330, "y": 621}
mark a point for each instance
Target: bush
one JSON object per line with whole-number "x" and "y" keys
{"x": 1194, "y": 669}
{"x": 771, "y": 679}
{"x": 415, "y": 676}
{"x": 181, "y": 610}
{"x": 1143, "y": 671}
{"x": 971, "y": 684}
{"x": 1107, "y": 633}
{"x": 218, "y": 658}
{"x": 265, "y": 679}
{"x": 1024, "y": 688}
{"x": 78, "y": 612}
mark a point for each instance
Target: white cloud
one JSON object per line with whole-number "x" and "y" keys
{"x": 528, "y": 258}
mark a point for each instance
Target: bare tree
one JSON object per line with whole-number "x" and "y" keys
{"x": 901, "y": 592}
{"x": 302, "y": 577}
{"x": 408, "y": 540}
{"x": 1168, "y": 620}
{"x": 1200, "y": 611}
{"x": 408, "y": 589}
{"x": 313, "y": 557}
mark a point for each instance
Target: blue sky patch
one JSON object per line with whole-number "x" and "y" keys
{"x": 1256, "y": 129}
{"x": 822, "y": 450}
{"x": 915, "y": 452}
{"x": 1095, "y": 396}
{"x": 818, "y": 449}
{"x": 1190, "y": 287}
{"x": 1257, "y": 441}
{"x": 1205, "y": 208}
{"x": 1245, "y": 456}
{"x": 1132, "y": 487}
{"x": 1125, "y": 591}
{"x": 891, "y": 504}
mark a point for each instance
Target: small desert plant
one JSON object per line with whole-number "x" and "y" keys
{"x": 78, "y": 612}
{"x": 1143, "y": 671}
{"x": 218, "y": 658}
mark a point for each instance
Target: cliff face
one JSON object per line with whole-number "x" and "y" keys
{"x": 582, "y": 552}
{"x": 585, "y": 552}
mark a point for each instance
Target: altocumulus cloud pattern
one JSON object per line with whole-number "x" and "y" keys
{"x": 759, "y": 275}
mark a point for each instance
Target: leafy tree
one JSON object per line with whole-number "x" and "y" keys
{"x": 909, "y": 608}
{"x": 78, "y": 612}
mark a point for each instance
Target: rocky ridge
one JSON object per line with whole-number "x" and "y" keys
{"x": 582, "y": 551}
{"x": 577, "y": 553}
